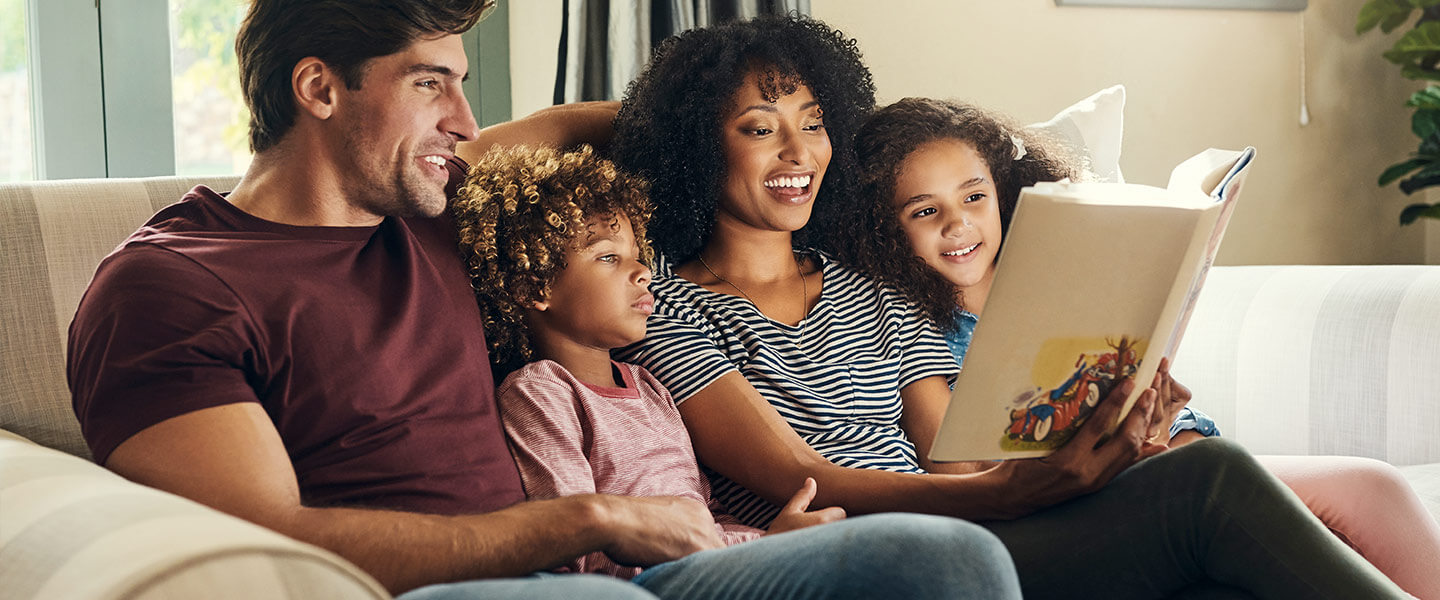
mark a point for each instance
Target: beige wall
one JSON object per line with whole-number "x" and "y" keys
{"x": 1195, "y": 78}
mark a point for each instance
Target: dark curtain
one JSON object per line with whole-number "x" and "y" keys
{"x": 604, "y": 43}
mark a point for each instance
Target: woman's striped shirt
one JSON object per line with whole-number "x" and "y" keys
{"x": 835, "y": 377}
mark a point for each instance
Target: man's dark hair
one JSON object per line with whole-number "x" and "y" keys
{"x": 345, "y": 34}
{"x": 668, "y": 129}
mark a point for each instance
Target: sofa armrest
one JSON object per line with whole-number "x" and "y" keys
{"x": 71, "y": 529}
{"x": 1320, "y": 359}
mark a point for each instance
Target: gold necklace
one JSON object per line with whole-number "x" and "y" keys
{"x": 804, "y": 286}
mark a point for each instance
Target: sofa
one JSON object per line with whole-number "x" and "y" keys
{"x": 1288, "y": 359}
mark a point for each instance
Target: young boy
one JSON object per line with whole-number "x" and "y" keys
{"x": 555, "y": 245}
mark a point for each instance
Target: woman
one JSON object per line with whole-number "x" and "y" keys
{"x": 786, "y": 365}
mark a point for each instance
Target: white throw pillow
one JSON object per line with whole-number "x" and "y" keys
{"x": 1093, "y": 127}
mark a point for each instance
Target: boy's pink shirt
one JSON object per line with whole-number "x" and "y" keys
{"x": 570, "y": 437}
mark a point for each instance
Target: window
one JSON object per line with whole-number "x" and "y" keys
{"x": 17, "y": 156}
{"x": 209, "y": 114}
{"x": 155, "y": 89}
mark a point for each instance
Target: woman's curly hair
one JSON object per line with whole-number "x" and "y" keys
{"x": 517, "y": 213}
{"x": 669, "y": 126}
{"x": 888, "y": 138}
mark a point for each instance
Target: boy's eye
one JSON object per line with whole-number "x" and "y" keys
{"x": 761, "y": 131}
{"x": 976, "y": 197}
{"x": 924, "y": 212}
{"x": 609, "y": 258}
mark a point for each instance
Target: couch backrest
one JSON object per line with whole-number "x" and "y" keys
{"x": 52, "y": 236}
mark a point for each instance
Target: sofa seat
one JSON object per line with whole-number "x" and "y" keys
{"x": 1322, "y": 360}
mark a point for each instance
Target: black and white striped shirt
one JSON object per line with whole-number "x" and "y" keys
{"x": 835, "y": 377}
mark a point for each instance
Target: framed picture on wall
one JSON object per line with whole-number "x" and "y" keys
{"x": 1293, "y": 5}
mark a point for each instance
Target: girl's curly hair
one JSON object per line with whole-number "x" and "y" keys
{"x": 668, "y": 129}
{"x": 517, "y": 213}
{"x": 884, "y": 142}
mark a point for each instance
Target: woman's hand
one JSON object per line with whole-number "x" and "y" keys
{"x": 1090, "y": 459}
{"x": 796, "y": 513}
{"x": 1170, "y": 398}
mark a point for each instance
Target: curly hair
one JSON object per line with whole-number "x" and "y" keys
{"x": 882, "y": 145}
{"x": 669, "y": 126}
{"x": 517, "y": 213}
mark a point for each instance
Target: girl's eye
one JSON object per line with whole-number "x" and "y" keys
{"x": 609, "y": 258}
{"x": 760, "y": 131}
{"x": 975, "y": 197}
{"x": 924, "y": 212}
{"x": 814, "y": 127}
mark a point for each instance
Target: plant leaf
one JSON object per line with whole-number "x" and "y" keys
{"x": 1425, "y": 123}
{"x": 1401, "y": 169}
{"x": 1417, "y": 45}
{"x": 1427, "y": 178}
{"x": 1419, "y": 73}
{"x": 1427, "y": 99}
{"x": 1416, "y": 211}
{"x": 1376, "y": 12}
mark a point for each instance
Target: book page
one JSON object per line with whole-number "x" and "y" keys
{"x": 1222, "y": 183}
{"x": 1083, "y": 279}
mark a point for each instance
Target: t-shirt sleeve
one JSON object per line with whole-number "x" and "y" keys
{"x": 925, "y": 352}
{"x": 156, "y": 336}
{"x": 541, "y": 414}
{"x": 679, "y": 349}
{"x": 1189, "y": 418}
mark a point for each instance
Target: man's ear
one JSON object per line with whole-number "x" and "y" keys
{"x": 315, "y": 86}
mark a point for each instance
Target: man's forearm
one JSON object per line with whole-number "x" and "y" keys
{"x": 408, "y": 550}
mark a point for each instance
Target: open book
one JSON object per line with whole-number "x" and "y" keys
{"x": 1095, "y": 284}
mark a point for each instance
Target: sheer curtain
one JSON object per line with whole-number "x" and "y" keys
{"x": 604, "y": 43}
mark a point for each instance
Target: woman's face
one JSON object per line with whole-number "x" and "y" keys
{"x": 775, "y": 157}
{"x": 946, "y": 202}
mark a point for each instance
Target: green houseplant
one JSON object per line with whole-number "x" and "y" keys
{"x": 1417, "y": 52}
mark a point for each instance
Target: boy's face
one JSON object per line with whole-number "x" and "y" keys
{"x": 401, "y": 126}
{"x": 946, "y": 202}
{"x": 602, "y": 298}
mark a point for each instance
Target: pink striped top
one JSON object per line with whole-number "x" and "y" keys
{"x": 570, "y": 437}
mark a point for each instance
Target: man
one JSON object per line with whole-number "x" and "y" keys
{"x": 305, "y": 353}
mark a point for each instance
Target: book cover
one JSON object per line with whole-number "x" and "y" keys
{"x": 1094, "y": 285}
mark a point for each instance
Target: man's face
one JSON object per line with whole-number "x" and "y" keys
{"x": 401, "y": 126}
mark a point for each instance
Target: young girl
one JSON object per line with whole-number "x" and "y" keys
{"x": 946, "y": 178}
{"x": 555, "y": 245}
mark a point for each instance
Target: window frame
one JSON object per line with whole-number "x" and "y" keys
{"x": 102, "y": 106}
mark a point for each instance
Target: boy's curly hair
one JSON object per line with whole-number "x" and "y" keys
{"x": 517, "y": 213}
{"x": 884, "y": 142}
{"x": 668, "y": 129}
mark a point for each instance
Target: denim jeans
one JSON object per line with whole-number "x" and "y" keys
{"x": 1203, "y": 520}
{"x": 875, "y": 556}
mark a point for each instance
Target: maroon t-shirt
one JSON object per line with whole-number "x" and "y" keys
{"x": 363, "y": 344}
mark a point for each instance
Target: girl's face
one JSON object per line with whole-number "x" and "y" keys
{"x": 775, "y": 157}
{"x": 946, "y": 202}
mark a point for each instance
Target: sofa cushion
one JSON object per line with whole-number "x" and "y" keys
{"x": 71, "y": 529}
{"x": 53, "y": 234}
{"x": 1093, "y": 128}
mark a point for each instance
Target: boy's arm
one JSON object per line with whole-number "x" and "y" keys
{"x": 234, "y": 461}
{"x": 559, "y": 126}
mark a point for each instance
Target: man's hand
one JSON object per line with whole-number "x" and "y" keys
{"x": 796, "y": 513}
{"x": 653, "y": 530}
{"x": 1170, "y": 397}
{"x": 1090, "y": 459}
